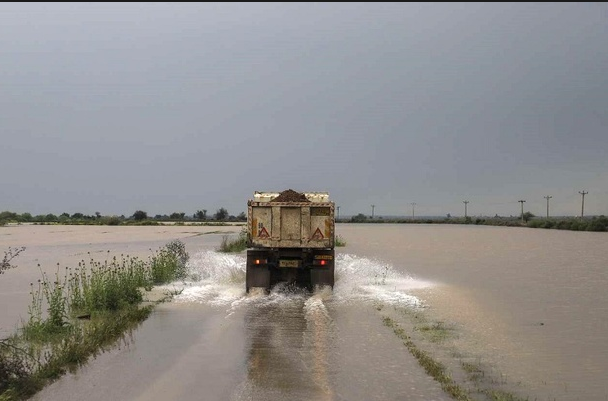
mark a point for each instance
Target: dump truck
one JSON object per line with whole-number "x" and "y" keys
{"x": 290, "y": 239}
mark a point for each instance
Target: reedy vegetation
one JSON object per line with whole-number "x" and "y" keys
{"x": 237, "y": 244}
{"x": 9, "y": 255}
{"x": 79, "y": 313}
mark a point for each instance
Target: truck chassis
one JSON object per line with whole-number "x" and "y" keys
{"x": 308, "y": 268}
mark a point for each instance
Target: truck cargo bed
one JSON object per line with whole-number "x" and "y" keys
{"x": 291, "y": 224}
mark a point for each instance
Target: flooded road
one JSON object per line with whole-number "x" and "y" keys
{"x": 529, "y": 304}
{"x": 214, "y": 342}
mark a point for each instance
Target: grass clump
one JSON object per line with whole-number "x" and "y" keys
{"x": 473, "y": 371}
{"x": 435, "y": 332}
{"x": 74, "y": 317}
{"x": 339, "y": 241}
{"x": 169, "y": 263}
{"x": 499, "y": 395}
{"x": 238, "y": 244}
{"x": 432, "y": 367}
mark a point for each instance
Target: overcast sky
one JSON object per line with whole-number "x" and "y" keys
{"x": 165, "y": 107}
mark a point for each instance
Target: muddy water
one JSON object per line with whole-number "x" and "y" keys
{"x": 533, "y": 303}
{"x": 530, "y": 304}
{"x": 50, "y": 249}
{"x": 213, "y": 342}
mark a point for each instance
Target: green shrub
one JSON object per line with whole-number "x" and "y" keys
{"x": 598, "y": 224}
{"x": 73, "y": 317}
{"x": 339, "y": 241}
{"x": 238, "y": 244}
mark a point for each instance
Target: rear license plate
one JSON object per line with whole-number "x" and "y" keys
{"x": 289, "y": 263}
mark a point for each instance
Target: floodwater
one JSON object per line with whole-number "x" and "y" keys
{"x": 530, "y": 305}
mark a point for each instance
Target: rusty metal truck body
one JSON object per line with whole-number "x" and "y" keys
{"x": 290, "y": 241}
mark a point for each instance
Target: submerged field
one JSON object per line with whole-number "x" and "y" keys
{"x": 418, "y": 312}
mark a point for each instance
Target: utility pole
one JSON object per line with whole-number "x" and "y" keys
{"x": 373, "y": 206}
{"x": 547, "y": 198}
{"x": 583, "y": 204}
{"x": 465, "y": 208}
{"x": 522, "y": 209}
{"x": 338, "y": 208}
{"x": 413, "y": 205}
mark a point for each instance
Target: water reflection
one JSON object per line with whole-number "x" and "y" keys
{"x": 288, "y": 351}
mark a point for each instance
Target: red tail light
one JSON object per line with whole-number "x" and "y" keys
{"x": 320, "y": 262}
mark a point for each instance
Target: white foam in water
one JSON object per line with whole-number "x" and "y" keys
{"x": 369, "y": 280}
{"x": 219, "y": 279}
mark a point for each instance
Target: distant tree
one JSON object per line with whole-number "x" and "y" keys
{"x": 201, "y": 214}
{"x": 359, "y": 218}
{"x": 140, "y": 215}
{"x": 50, "y": 218}
{"x": 26, "y": 217}
{"x": 111, "y": 220}
{"x": 221, "y": 214}
{"x": 97, "y": 214}
{"x": 528, "y": 216}
{"x": 242, "y": 217}
{"x": 7, "y": 216}
{"x": 78, "y": 216}
{"x": 177, "y": 216}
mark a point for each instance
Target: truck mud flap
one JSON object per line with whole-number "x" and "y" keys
{"x": 322, "y": 276}
{"x": 257, "y": 273}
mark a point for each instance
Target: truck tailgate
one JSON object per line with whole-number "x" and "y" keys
{"x": 291, "y": 224}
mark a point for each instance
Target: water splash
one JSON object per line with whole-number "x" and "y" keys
{"x": 365, "y": 279}
{"x": 219, "y": 279}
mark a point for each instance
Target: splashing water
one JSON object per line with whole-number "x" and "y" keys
{"x": 219, "y": 279}
{"x": 371, "y": 280}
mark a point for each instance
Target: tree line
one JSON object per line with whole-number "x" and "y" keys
{"x": 139, "y": 217}
{"x": 592, "y": 223}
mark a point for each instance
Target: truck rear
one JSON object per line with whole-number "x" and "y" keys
{"x": 290, "y": 238}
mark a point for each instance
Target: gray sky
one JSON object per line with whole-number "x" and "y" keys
{"x": 162, "y": 107}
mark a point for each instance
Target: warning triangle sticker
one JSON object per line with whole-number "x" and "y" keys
{"x": 263, "y": 233}
{"x": 317, "y": 235}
